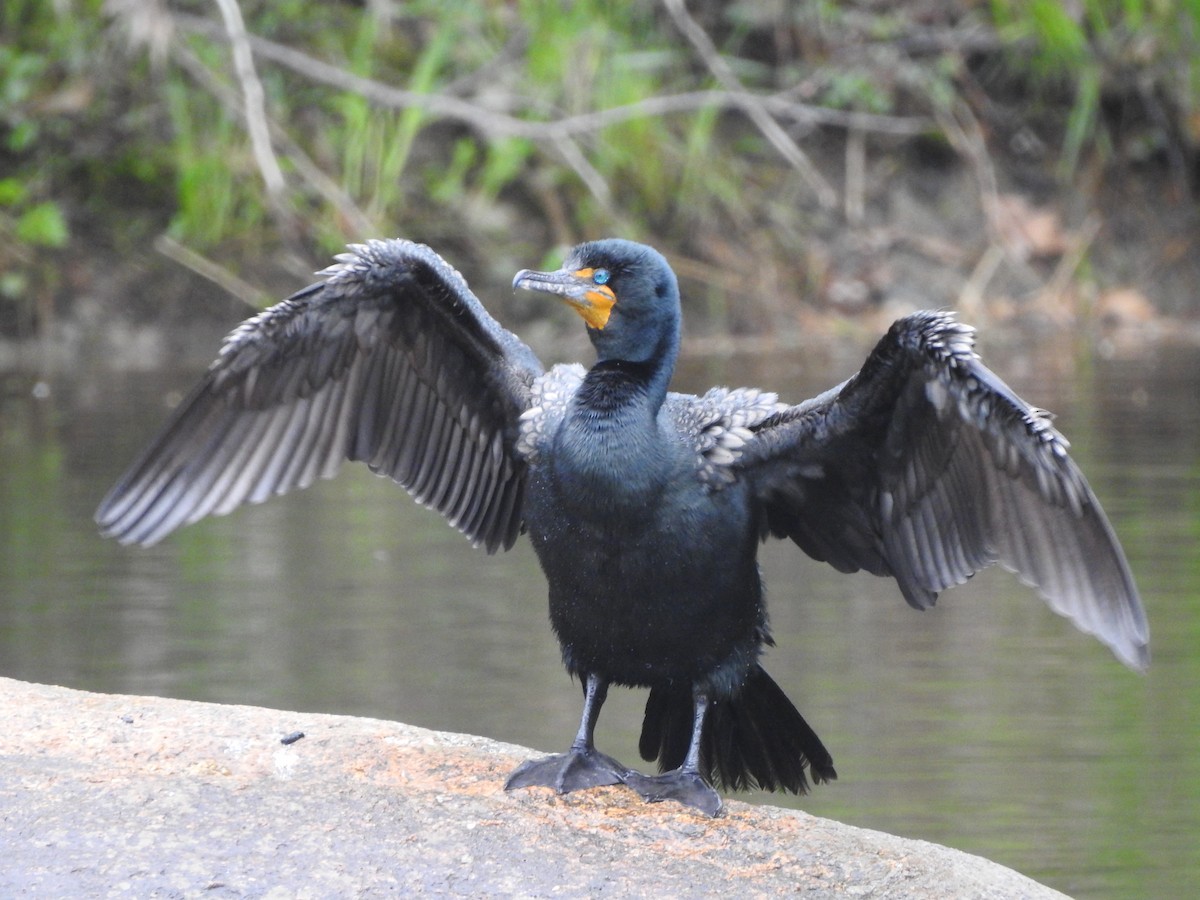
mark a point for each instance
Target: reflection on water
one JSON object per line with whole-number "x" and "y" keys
{"x": 987, "y": 724}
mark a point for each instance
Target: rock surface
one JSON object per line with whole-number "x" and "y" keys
{"x": 105, "y": 795}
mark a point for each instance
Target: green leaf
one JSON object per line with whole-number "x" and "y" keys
{"x": 22, "y": 136}
{"x": 12, "y": 191}
{"x": 43, "y": 225}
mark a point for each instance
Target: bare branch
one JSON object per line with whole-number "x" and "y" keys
{"x": 758, "y": 113}
{"x": 1064, "y": 273}
{"x": 856, "y": 169}
{"x": 585, "y": 170}
{"x": 206, "y": 268}
{"x": 495, "y": 123}
{"x": 312, "y": 174}
{"x": 252, "y": 91}
{"x": 147, "y": 23}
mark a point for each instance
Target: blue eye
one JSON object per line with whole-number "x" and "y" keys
{"x": 601, "y": 276}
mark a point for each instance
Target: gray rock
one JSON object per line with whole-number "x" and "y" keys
{"x": 106, "y": 795}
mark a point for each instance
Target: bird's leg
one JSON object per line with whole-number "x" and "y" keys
{"x": 583, "y": 766}
{"x": 685, "y": 784}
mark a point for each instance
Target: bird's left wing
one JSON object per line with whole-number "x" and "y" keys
{"x": 391, "y": 360}
{"x": 927, "y": 467}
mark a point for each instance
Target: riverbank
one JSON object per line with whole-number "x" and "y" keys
{"x": 852, "y": 163}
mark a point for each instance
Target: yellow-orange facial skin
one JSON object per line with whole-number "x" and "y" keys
{"x": 578, "y": 289}
{"x": 600, "y": 300}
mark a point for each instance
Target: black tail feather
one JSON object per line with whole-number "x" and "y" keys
{"x": 754, "y": 739}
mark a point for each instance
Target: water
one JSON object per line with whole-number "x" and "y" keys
{"x": 987, "y": 724}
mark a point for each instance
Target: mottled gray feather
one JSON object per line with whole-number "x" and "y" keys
{"x": 391, "y": 360}
{"x": 927, "y": 467}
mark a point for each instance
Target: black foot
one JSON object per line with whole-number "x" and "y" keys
{"x": 566, "y": 772}
{"x": 687, "y": 788}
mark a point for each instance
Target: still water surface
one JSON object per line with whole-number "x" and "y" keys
{"x": 987, "y": 724}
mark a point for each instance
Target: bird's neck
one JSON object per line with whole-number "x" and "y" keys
{"x": 622, "y": 390}
{"x": 615, "y": 389}
{"x": 612, "y": 451}
{"x": 623, "y": 381}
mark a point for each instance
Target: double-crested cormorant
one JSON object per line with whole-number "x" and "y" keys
{"x": 645, "y": 507}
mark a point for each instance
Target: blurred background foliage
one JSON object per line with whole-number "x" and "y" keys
{"x": 501, "y": 131}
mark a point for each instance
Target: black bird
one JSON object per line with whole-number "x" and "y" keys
{"x": 645, "y": 507}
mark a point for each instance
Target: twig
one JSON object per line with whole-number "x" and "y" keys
{"x": 252, "y": 92}
{"x": 1068, "y": 265}
{"x": 758, "y": 114}
{"x": 962, "y": 130}
{"x": 587, "y": 173}
{"x": 147, "y": 23}
{"x": 856, "y": 167}
{"x": 206, "y": 268}
{"x": 309, "y": 171}
{"x": 970, "y": 296}
{"x": 495, "y": 123}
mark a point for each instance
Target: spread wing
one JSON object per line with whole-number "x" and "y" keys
{"x": 927, "y": 467}
{"x": 391, "y": 360}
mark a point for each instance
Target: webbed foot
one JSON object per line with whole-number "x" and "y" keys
{"x": 680, "y": 785}
{"x": 571, "y": 771}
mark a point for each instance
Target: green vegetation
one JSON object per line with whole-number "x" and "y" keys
{"x": 457, "y": 121}
{"x": 1119, "y": 50}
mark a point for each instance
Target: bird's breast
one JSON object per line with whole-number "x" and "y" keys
{"x": 650, "y": 591}
{"x": 615, "y": 465}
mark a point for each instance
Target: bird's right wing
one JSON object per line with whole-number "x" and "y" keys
{"x": 927, "y": 467}
{"x": 391, "y": 360}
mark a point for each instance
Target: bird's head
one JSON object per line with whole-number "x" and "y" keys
{"x": 625, "y": 292}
